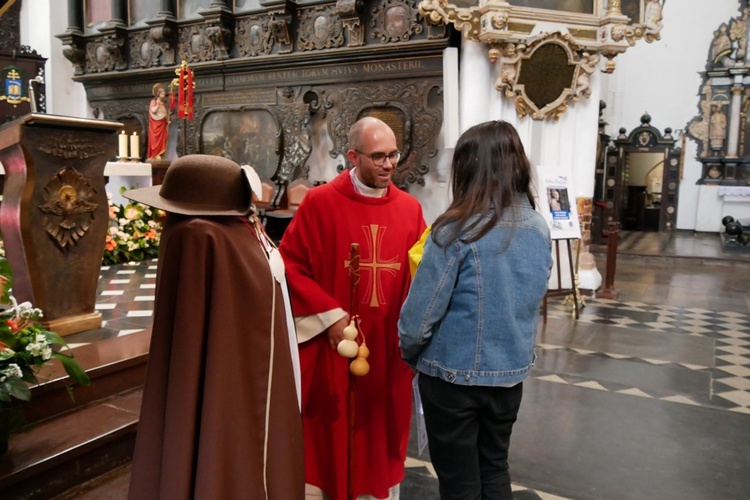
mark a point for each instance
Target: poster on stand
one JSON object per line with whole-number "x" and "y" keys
{"x": 557, "y": 203}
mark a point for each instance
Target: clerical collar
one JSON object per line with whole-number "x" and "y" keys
{"x": 364, "y": 190}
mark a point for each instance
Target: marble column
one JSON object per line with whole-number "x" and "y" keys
{"x": 166, "y": 8}
{"x": 119, "y": 12}
{"x": 75, "y": 16}
{"x": 734, "y": 119}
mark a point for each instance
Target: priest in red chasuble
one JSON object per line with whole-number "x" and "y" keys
{"x": 362, "y": 206}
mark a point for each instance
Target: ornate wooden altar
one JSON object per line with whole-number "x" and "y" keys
{"x": 274, "y": 81}
{"x": 54, "y": 215}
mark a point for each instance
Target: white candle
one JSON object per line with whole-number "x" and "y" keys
{"x": 134, "y": 153}
{"x": 123, "y": 150}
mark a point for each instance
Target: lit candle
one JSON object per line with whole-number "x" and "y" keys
{"x": 123, "y": 152}
{"x": 134, "y": 147}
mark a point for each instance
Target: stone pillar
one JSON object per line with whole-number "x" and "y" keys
{"x": 733, "y": 134}
{"x": 75, "y": 16}
{"x": 166, "y": 8}
{"x": 119, "y": 13}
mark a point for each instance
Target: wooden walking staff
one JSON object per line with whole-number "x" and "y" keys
{"x": 185, "y": 98}
{"x": 358, "y": 367}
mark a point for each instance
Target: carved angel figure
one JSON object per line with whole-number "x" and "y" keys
{"x": 587, "y": 66}
{"x": 721, "y": 45}
{"x": 509, "y": 63}
{"x": 652, "y": 17}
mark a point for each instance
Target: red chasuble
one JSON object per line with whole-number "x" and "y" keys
{"x": 315, "y": 248}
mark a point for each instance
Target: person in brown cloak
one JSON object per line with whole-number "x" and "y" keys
{"x": 221, "y": 411}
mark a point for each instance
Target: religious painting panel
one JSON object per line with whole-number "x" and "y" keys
{"x": 246, "y": 136}
{"x": 97, "y": 14}
{"x": 141, "y": 11}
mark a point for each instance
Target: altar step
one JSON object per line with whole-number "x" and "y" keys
{"x": 67, "y": 443}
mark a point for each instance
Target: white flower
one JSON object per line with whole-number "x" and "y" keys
{"x": 131, "y": 212}
{"x": 123, "y": 221}
{"x": 35, "y": 348}
{"x": 46, "y": 352}
{"x": 13, "y": 370}
{"x": 40, "y": 338}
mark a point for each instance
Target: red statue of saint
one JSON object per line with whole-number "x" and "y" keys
{"x": 158, "y": 123}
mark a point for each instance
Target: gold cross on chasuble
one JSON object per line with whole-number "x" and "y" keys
{"x": 374, "y": 236}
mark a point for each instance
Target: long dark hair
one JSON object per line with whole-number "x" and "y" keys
{"x": 489, "y": 168}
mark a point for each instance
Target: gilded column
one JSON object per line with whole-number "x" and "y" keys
{"x": 614, "y": 8}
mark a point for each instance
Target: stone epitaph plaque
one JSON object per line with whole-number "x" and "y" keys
{"x": 54, "y": 214}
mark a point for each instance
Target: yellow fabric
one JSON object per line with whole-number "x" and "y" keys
{"x": 415, "y": 252}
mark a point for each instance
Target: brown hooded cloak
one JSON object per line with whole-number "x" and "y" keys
{"x": 220, "y": 417}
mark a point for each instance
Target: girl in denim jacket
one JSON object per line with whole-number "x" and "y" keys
{"x": 469, "y": 322}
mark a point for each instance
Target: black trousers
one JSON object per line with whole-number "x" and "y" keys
{"x": 468, "y": 431}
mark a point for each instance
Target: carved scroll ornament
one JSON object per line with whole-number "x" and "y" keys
{"x": 501, "y": 25}
{"x": 545, "y": 76}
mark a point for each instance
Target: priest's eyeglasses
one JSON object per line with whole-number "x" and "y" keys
{"x": 378, "y": 159}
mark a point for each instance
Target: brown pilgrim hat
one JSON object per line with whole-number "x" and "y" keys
{"x": 199, "y": 185}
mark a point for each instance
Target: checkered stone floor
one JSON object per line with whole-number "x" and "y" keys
{"x": 730, "y": 331}
{"x": 125, "y": 298}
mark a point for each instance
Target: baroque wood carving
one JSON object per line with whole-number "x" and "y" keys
{"x": 395, "y": 20}
{"x": 422, "y": 121}
{"x": 106, "y": 54}
{"x": 68, "y": 205}
{"x": 254, "y": 37}
{"x": 204, "y": 42}
{"x": 295, "y": 122}
{"x": 144, "y": 52}
{"x": 319, "y": 28}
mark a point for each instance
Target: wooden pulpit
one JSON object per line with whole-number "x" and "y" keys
{"x": 54, "y": 214}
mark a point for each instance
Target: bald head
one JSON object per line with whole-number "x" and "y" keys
{"x": 366, "y": 126}
{"x": 370, "y": 142}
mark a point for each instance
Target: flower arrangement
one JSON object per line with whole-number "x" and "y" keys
{"x": 134, "y": 231}
{"x": 25, "y": 347}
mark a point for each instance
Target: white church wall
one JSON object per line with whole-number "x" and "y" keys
{"x": 40, "y": 21}
{"x": 662, "y": 78}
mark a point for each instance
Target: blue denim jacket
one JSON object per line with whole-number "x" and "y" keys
{"x": 471, "y": 314}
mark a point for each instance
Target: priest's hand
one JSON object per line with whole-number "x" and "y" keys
{"x": 336, "y": 332}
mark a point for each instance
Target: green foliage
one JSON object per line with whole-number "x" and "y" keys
{"x": 25, "y": 347}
